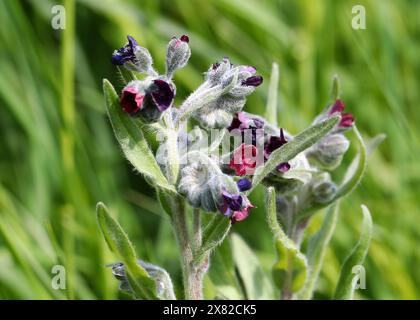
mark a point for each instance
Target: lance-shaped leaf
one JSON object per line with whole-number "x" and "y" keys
{"x": 291, "y": 262}
{"x": 141, "y": 284}
{"x": 317, "y": 247}
{"x": 213, "y": 235}
{"x": 288, "y": 151}
{"x": 222, "y": 274}
{"x": 346, "y": 284}
{"x": 356, "y": 170}
{"x": 271, "y": 108}
{"x": 256, "y": 282}
{"x": 132, "y": 140}
{"x": 126, "y": 75}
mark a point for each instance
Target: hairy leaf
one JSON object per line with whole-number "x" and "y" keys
{"x": 141, "y": 284}
{"x": 317, "y": 247}
{"x": 213, "y": 235}
{"x": 290, "y": 259}
{"x": 132, "y": 140}
{"x": 271, "y": 108}
{"x": 256, "y": 282}
{"x": 301, "y": 142}
{"x": 345, "y": 287}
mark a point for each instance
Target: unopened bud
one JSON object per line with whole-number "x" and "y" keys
{"x": 177, "y": 54}
{"x": 330, "y": 150}
{"x": 323, "y": 188}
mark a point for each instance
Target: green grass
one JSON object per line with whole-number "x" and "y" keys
{"x": 58, "y": 156}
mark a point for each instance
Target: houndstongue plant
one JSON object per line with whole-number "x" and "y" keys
{"x": 202, "y": 180}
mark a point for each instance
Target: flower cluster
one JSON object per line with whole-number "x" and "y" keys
{"x": 220, "y": 183}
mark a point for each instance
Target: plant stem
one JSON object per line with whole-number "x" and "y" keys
{"x": 197, "y": 234}
{"x": 192, "y": 274}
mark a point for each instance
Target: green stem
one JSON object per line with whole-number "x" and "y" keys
{"x": 192, "y": 274}
{"x": 197, "y": 232}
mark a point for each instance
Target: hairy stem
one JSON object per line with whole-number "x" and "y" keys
{"x": 192, "y": 274}
{"x": 197, "y": 233}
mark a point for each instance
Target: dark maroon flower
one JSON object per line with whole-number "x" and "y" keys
{"x": 254, "y": 81}
{"x": 131, "y": 100}
{"x": 244, "y": 160}
{"x": 274, "y": 143}
{"x": 162, "y": 95}
{"x": 126, "y": 53}
{"x": 347, "y": 119}
{"x": 185, "y": 38}
{"x": 244, "y": 184}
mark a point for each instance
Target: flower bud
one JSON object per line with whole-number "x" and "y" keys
{"x": 177, "y": 54}
{"x": 195, "y": 185}
{"x": 347, "y": 120}
{"x": 217, "y": 70}
{"x": 328, "y": 152}
{"x": 323, "y": 189}
{"x": 288, "y": 177}
{"x": 244, "y": 184}
{"x": 235, "y": 83}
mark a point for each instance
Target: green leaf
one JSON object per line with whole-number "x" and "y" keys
{"x": 142, "y": 285}
{"x": 213, "y": 235}
{"x": 356, "y": 169}
{"x": 301, "y": 142}
{"x": 290, "y": 259}
{"x": 345, "y": 286}
{"x": 353, "y": 175}
{"x": 126, "y": 75}
{"x": 132, "y": 140}
{"x": 374, "y": 143}
{"x": 335, "y": 91}
{"x": 317, "y": 247}
{"x": 256, "y": 282}
{"x": 271, "y": 108}
{"x": 222, "y": 273}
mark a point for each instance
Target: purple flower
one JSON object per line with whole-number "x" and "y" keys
{"x": 283, "y": 167}
{"x": 347, "y": 119}
{"x": 235, "y": 206}
{"x": 243, "y": 213}
{"x": 274, "y": 143}
{"x": 253, "y": 81}
{"x": 231, "y": 203}
{"x": 241, "y": 121}
{"x": 244, "y": 184}
{"x": 126, "y": 53}
{"x": 162, "y": 95}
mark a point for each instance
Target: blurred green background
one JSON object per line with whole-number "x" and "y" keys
{"x": 58, "y": 156}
